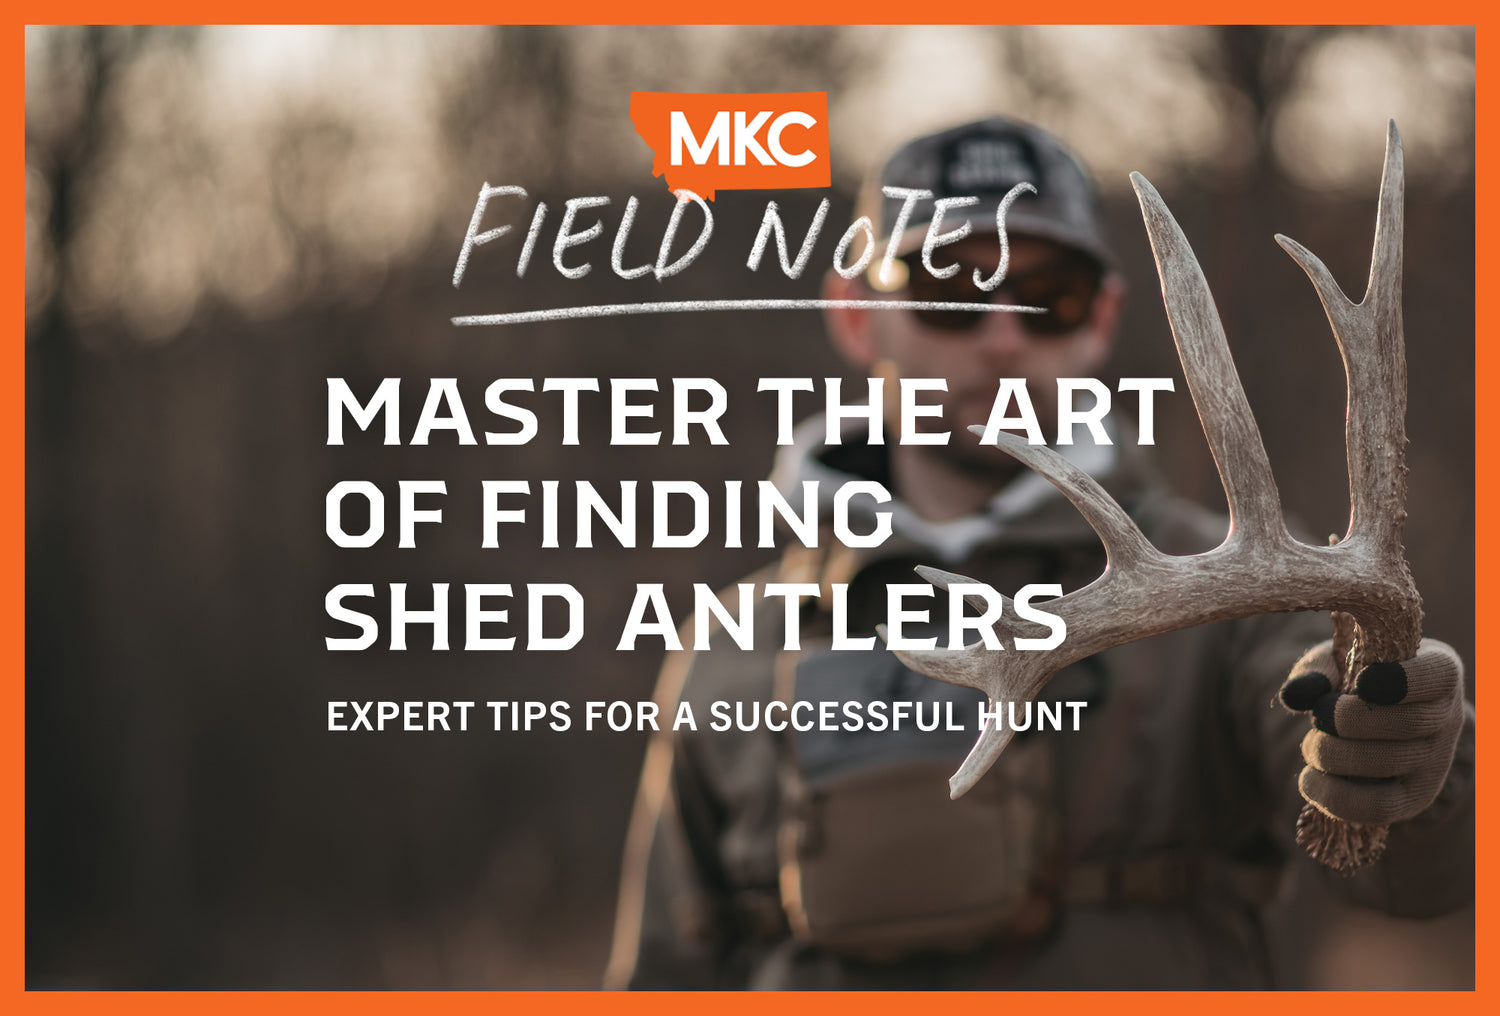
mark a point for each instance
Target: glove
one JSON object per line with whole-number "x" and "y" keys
{"x": 1380, "y": 755}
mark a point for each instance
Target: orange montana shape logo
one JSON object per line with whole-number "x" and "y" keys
{"x": 706, "y": 142}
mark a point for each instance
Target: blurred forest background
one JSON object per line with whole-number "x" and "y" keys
{"x": 219, "y": 219}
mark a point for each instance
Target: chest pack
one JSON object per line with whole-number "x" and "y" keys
{"x": 876, "y": 861}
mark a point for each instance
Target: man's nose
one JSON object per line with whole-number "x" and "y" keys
{"x": 1001, "y": 334}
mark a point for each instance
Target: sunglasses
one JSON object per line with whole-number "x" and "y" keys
{"x": 1065, "y": 290}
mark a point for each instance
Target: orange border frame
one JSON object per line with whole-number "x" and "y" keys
{"x": 12, "y": 551}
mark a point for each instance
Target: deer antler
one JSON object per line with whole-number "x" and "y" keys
{"x": 1259, "y": 568}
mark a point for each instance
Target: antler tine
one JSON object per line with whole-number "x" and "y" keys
{"x": 976, "y": 667}
{"x": 1386, "y": 258}
{"x": 971, "y": 666}
{"x": 1376, "y": 362}
{"x": 1124, "y": 543}
{"x": 944, "y": 579}
{"x": 968, "y": 667}
{"x": 1373, "y": 348}
{"x": 983, "y": 755}
{"x": 1254, "y": 503}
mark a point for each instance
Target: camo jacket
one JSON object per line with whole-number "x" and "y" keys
{"x": 1183, "y": 765}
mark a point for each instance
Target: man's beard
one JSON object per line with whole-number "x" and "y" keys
{"x": 965, "y": 456}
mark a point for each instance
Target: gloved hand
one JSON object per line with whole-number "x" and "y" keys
{"x": 1380, "y": 755}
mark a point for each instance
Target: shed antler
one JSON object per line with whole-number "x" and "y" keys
{"x": 1259, "y": 568}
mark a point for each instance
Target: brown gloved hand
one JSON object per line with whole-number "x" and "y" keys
{"x": 1380, "y": 755}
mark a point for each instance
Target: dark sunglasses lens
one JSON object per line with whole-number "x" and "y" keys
{"x": 1066, "y": 296}
{"x": 1068, "y": 300}
{"x": 924, "y": 288}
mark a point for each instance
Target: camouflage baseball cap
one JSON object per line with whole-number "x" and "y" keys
{"x": 986, "y": 159}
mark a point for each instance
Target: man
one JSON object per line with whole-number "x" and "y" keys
{"x": 1136, "y": 850}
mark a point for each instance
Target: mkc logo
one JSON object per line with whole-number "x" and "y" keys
{"x": 745, "y": 138}
{"x": 735, "y": 141}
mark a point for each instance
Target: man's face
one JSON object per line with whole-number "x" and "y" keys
{"x": 972, "y": 351}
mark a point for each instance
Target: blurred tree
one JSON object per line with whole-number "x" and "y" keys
{"x": 70, "y": 76}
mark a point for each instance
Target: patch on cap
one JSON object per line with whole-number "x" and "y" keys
{"x": 978, "y": 164}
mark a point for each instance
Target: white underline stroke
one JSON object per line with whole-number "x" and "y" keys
{"x": 524, "y": 317}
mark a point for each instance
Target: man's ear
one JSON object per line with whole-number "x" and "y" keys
{"x": 849, "y": 328}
